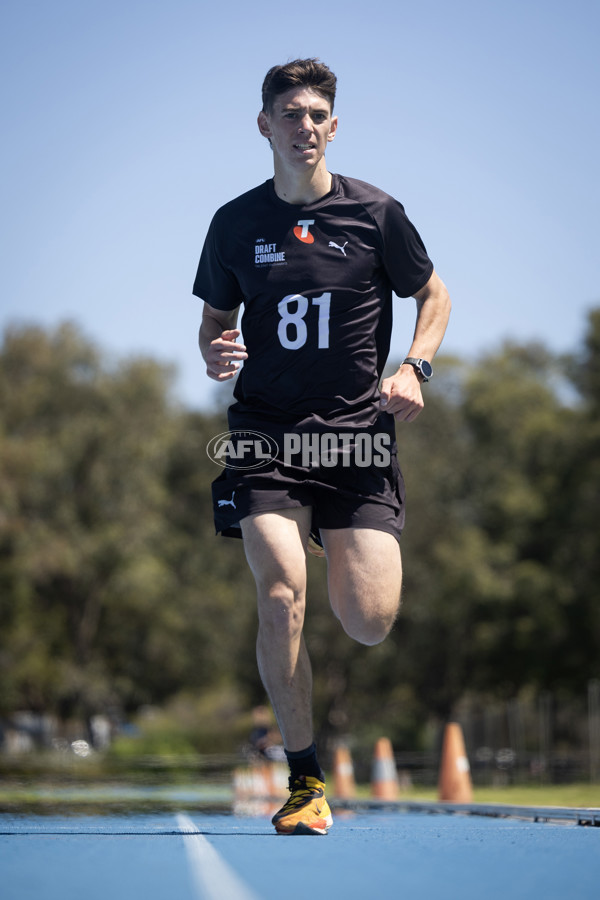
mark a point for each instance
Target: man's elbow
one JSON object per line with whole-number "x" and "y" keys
{"x": 437, "y": 291}
{"x": 445, "y": 301}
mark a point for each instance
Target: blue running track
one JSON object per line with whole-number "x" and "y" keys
{"x": 368, "y": 854}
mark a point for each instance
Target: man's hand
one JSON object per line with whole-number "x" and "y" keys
{"x": 401, "y": 394}
{"x": 223, "y": 356}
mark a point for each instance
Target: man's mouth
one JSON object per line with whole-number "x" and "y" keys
{"x": 304, "y": 146}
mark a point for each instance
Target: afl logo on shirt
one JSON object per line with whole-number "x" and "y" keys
{"x": 301, "y": 231}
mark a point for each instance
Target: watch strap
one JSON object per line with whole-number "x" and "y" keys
{"x": 418, "y": 365}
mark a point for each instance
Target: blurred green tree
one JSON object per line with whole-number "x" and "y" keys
{"x": 115, "y": 593}
{"x": 110, "y": 595}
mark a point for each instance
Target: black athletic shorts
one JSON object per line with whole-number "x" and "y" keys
{"x": 340, "y": 496}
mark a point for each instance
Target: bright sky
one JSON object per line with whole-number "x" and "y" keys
{"x": 128, "y": 122}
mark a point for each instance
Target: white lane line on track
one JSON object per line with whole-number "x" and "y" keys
{"x": 212, "y": 876}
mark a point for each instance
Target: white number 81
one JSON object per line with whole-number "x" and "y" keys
{"x": 296, "y": 319}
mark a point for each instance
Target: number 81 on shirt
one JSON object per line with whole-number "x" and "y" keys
{"x": 295, "y": 318}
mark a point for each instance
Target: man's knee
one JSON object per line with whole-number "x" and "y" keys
{"x": 281, "y": 609}
{"x": 369, "y": 629}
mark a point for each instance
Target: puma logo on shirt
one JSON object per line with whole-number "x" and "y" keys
{"x": 337, "y": 246}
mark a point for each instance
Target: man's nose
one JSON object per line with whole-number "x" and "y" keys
{"x": 305, "y": 123}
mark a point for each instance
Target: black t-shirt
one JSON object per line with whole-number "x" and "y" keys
{"x": 316, "y": 283}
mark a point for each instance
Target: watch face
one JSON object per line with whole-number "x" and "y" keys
{"x": 426, "y": 368}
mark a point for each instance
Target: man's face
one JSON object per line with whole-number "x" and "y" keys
{"x": 299, "y": 127}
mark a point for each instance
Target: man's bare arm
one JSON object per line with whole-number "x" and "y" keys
{"x": 401, "y": 393}
{"x": 217, "y": 340}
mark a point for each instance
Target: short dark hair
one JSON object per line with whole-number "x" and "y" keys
{"x": 308, "y": 73}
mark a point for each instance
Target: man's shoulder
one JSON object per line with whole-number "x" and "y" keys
{"x": 363, "y": 191}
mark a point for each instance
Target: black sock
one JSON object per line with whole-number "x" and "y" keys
{"x": 304, "y": 762}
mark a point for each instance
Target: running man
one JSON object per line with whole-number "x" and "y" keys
{"x": 313, "y": 258}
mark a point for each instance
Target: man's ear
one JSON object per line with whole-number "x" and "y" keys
{"x": 263, "y": 124}
{"x": 333, "y": 129}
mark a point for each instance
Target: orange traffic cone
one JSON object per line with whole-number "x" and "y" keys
{"x": 454, "y": 785}
{"x": 384, "y": 777}
{"x": 343, "y": 773}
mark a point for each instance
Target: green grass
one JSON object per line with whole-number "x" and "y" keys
{"x": 39, "y": 794}
{"x": 573, "y": 795}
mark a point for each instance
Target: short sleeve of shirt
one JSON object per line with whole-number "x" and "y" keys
{"x": 404, "y": 255}
{"x": 215, "y": 282}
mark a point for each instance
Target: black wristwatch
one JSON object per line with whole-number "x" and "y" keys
{"x": 423, "y": 367}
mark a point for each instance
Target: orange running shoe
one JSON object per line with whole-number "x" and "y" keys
{"x": 307, "y": 810}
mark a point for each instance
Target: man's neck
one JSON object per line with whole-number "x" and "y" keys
{"x": 301, "y": 191}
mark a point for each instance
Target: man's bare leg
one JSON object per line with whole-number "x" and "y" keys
{"x": 275, "y": 545}
{"x": 365, "y": 579}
